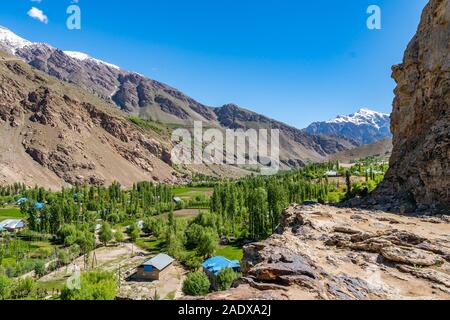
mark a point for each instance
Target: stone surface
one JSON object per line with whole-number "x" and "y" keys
{"x": 322, "y": 252}
{"x": 419, "y": 174}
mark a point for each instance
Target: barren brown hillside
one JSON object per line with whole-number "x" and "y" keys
{"x": 54, "y": 133}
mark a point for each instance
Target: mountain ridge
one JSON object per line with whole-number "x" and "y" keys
{"x": 150, "y": 99}
{"x": 363, "y": 127}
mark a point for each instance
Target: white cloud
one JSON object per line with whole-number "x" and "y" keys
{"x": 35, "y": 13}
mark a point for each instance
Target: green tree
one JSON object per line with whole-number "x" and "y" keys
{"x": 67, "y": 234}
{"x": 258, "y": 213}
{"x": 39, "y": 268}
{"x": 95, "y": 285}
{"x": 225, "y": 278}
{"x": 194, "y": 235}
{"x": 23, "y": 288}
{"x": 119, "y": 237}
{"x": 105, "y": 235}
{"x": 196, "y": 284}
{"x": 192, "y": 262}
{"x": 134, "y": 232}
{"x": 348, "y": 183}
{"x": 63, "y": 258}
{"x": 208, "y": 242}
{"x": 277, "y": 201}
{"x": 5, "y": 287}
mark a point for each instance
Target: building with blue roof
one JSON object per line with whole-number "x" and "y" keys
{"x": 214, "y": 265}
{"x": 39, "y": 205}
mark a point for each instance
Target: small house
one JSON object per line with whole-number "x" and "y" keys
{"x": 154, "y": 268}
{"x": 332, "y": 173}
{"x": 21, "y": 200}
{"x": 39, "y": 205}
{"x": 177, "y": 200}
{"x": 12, "y": 225}
{"x": 214, "y": 265}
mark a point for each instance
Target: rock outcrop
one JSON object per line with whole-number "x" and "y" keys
{"x": 322, "y": 252}
{"x": 419, "y": 174}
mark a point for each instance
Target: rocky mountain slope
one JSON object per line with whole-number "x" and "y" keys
{"x": 54, "y": 133}
{"x": 150, "y": 99}
{"x": 322, "y": 252}
{"x": 382, "y": 149}
{"x": 363, "y": 127}
{"x": 419, "y": 174}
{"x": 296, "y": 146}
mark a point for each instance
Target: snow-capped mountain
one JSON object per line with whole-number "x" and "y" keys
{"x": 13, "y": 44}
{"x": 11, "y": 41}
{"x": 363, "y": 127}
{"x": 83, "y": 57}
{"x": 130, "y": 91}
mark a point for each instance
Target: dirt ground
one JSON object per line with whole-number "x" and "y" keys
{"x": 187, "y": 213}
{"x": 123, "y": 259}
{"x": 167, "y": 288}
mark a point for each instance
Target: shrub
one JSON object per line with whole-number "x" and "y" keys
{"x": 23, "y": 288}
{"x": 226, "y": 278}
{"x": 5, "y": 287}
{"x": 119, "y": 237}
{"x": 191, "y": 261}
{"x": 63, "y": 258}
{"x": 196, "y": 284}
{"x": 52, "y": 266}
{"x": 24, "y": 267}
{"x": 39, "y": 268}
{"x": 94, "y": 285}
{"x": 44, "y": 252}
{"x": 105, "y": 234}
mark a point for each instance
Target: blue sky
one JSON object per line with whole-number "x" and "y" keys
{"x": 294, "y": 60}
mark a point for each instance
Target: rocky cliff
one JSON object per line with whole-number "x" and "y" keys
{"x": 322, "y": 252}
{"x": 419, "y": 175}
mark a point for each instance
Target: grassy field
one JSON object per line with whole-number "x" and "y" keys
{"x": 151, "y": 244}
{"x": 51, "y": 285}
{"x": 188, "y": 193}
{"x": 232, "y": 251}
{"x": 10, "y": 213}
